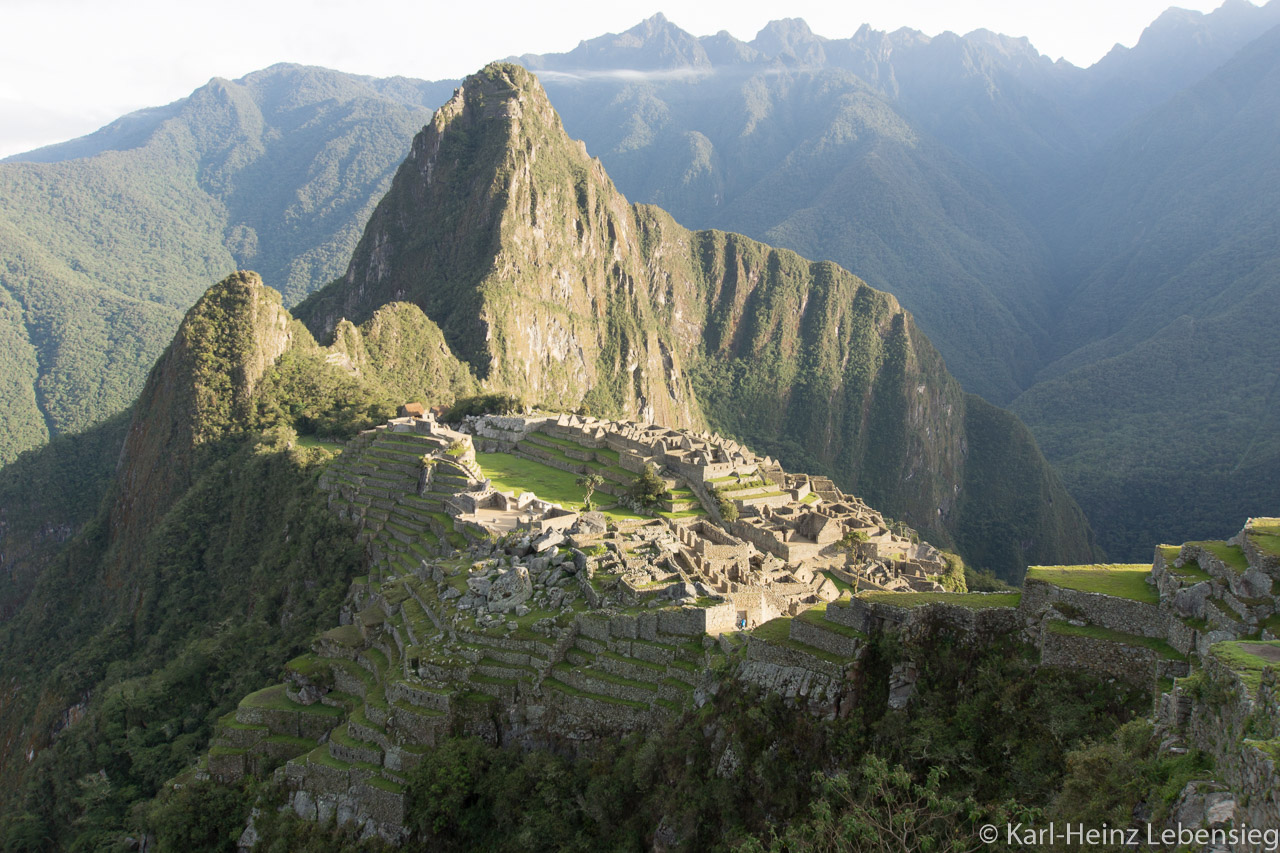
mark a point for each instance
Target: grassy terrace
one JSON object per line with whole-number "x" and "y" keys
{"x": 845, "y": 588}
{"x": 274, "y": 699}
{"x": 777, "y": 632}
{"x": 1188, "y": 572}
{"x": 513, "y": 474}
{"x": 315, "y": 441}
{"x": 1247, "y": 658}
{"x": 1119, "y": 580}
{"x": 817, "y": 616}
{"x": 1094, "y": 632}
{"x": 1232, "y": 555}
{"x": 1266, "y": 535}
{"x": 962, "y": 599}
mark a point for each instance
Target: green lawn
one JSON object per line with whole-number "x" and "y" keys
{"x": 844, "y": 587}
{"x": 817, "y": 616}
{"x": 1120, "y": 580}
{"x": 1241, "y": 656}
{"x": 962, "y": 599}
{"x": 1266, "y": 535}
{"x": 1095, "y": 632}
{"x": 1232, "y": 555}
{"x": 513, "y": 474}
{"x": 778, "y": 633}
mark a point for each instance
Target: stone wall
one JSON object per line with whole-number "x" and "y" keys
{"x": 1105, "y": 611}
{"x": 1221, "y": 721}
{"x": 1135, "y": 664}
{"x": 828, "y": 641}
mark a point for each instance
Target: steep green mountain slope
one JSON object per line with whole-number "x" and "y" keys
{"x": 552, "y": 287}
{"x": 769, "y": 144}
{"x": 105, "y": 241}
{"x": 210, "y": 559}
{"x": 1167, "y": 391}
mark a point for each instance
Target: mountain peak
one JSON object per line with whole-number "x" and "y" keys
{"x": 787, "y": 36}
{"x": 653, "y": 44}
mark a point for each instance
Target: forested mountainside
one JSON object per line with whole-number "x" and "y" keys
{"x": 107, "y": 240}
{"x": 1164, "y": 392}
{"x": 945, "y": 170}
{"x": 209, "y": 557}
{"x": 554, "y": 289}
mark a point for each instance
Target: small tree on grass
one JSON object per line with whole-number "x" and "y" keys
{"x": 589, "y": 482}
{"x": 648, "y": 487}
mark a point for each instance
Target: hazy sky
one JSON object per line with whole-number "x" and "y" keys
{"x": 70, "y": 66}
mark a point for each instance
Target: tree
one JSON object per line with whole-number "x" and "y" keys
{"x": 648, "y": 487}
{"x": 590, "y": 482}
{"x": 727, "y": 506}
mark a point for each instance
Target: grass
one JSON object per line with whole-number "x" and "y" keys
{"x": 274, "y": 699}
{"x": 1190, "y": 572}
{"x": 513, "y": 474}
{"x": 345, "y": 635}
{"x": 973, "y": 600}
{"x": 1095, "y": 632}
{"x": 316, "y": 441}
{"x": 777, "y": 632}
{"x": 1244, "y": 663}
{"x": 814, "y": 616}
{"x": 1119, "y": 580}
{"x": 1265, "y": 534}
{"x": 843, "y": 586}
{"x": 385, "y": 784}
{"x": 320, "y": 755}
{"x": 1232, "y": 555}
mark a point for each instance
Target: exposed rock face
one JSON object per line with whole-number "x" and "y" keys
{"x": 552, "y": 287}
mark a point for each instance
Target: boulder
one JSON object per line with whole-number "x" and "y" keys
{"x": 681, "y": 590}
{"x": 547, "y": 541}
{"x": 510, "y": 589}
{"x": 592, "y": 522}
{"x": 1190, "y": 601}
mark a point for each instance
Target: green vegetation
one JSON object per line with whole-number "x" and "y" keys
{"x": 832, "y": 779}
{"x": 648, "y": 487}
{"x": 960, "y": 599}
{"x": 513, "y": 473}
{"x": 1231, "y": 555}
{"x": 227, "y": 178}
{"x": 1248, "y": 658}
{"x": 1266, "y": 535}
{"x": 589, "y": 484}
{"x": 1107, "y": 780}
{"x": 1123, "y": 581}
{"x": 1096, "y": 632}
